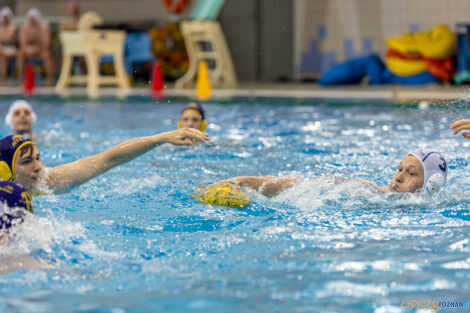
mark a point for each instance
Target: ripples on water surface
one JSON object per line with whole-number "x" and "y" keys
{"x": 133, "y": 240}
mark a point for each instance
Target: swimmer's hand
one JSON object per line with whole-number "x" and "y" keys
{"x": 459, "y": 125}
{"x": 63, "y": 177}
{"x": 185, "y": 136}
{"x": 381, "y": 189}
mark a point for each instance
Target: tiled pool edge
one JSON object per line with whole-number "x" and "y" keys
{"x": 299, "y": 91}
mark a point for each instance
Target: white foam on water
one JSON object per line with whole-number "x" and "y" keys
{"x": 349, "y": 289}
{"x": 463, "y": 264}
{"x": 389, "y": 309}
{"x": 461, "y": 245}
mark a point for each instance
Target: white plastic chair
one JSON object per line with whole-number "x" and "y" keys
{"x": 205, "y": 41}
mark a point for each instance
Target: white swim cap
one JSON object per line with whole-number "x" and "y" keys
{"x": 435, "y": 169}
{"x": 34, "y": 13}
{"x": 6, "y": 11}
{"x": 17, "y": 105}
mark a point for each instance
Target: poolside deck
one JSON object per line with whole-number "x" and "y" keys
{"x": 393, "y": 93}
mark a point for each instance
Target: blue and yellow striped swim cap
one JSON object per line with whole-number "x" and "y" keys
{"x": 9, "y": 148}
{"x": 195, "y": 107}
{"x": 14, "y": 201}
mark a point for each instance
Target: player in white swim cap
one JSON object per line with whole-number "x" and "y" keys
{"x": 421, "y": 170}
{"x": 20, "y": 118}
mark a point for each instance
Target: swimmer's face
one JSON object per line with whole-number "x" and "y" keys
{"x": 28, "y": 167}
{"x": 22, "y": 120}
{"x": 409, "y": 177}
{"x": 33, "y": 20}
{"x": 5, "y": 19}
{"x": 73, "y": 8}
{"x": 191, "y": 119}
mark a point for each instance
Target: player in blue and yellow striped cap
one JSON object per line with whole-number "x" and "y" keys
{"x": 421, "y": 170}
{"x": 14, "y": 202}
{"x": 20, "y": 160}
{"x": 12, "y": 147}
{"x": 192, "y": 116}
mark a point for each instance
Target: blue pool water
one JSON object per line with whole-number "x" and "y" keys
{"x": 133, "y": 240}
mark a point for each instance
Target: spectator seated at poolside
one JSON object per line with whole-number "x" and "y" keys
{"x": 35, "y": 42}
{"x": 8, "y": 48}
{"x": 20, "y": 118}
{"x": 70, "y": 23}
{"x": 420, "y": 170}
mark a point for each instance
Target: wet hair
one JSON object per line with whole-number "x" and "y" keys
{"x": 26, "y": 148}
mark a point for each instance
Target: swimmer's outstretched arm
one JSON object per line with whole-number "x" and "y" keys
{"x": 461, "y": 125}
{"x": 271, "y": 186}
{"x": 382, "y": 189}
{"x": 267, "y": 185}
{"x": 63, "y": 177}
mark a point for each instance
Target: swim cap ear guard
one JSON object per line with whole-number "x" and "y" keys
{"x": 435, "y": 170}
{"x": 202, "y": 128}
{"x": 435, "y": 183}
{"x": 5, "y": 171}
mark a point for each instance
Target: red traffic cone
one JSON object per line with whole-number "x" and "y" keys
{"x": 156, "y": 84}
{"x": 28, "y": 83}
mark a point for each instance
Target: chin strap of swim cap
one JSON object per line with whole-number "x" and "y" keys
{"x": 435, "y": 169}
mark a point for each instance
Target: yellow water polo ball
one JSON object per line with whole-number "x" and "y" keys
{"x": 225, "y": 194}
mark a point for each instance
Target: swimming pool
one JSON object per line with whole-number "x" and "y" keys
{"x": 133, "y": 240}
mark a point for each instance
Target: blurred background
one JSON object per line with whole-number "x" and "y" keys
{"x": 269, "y": 40}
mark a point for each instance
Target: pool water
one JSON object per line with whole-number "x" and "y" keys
{"x": 133, "y": 239}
